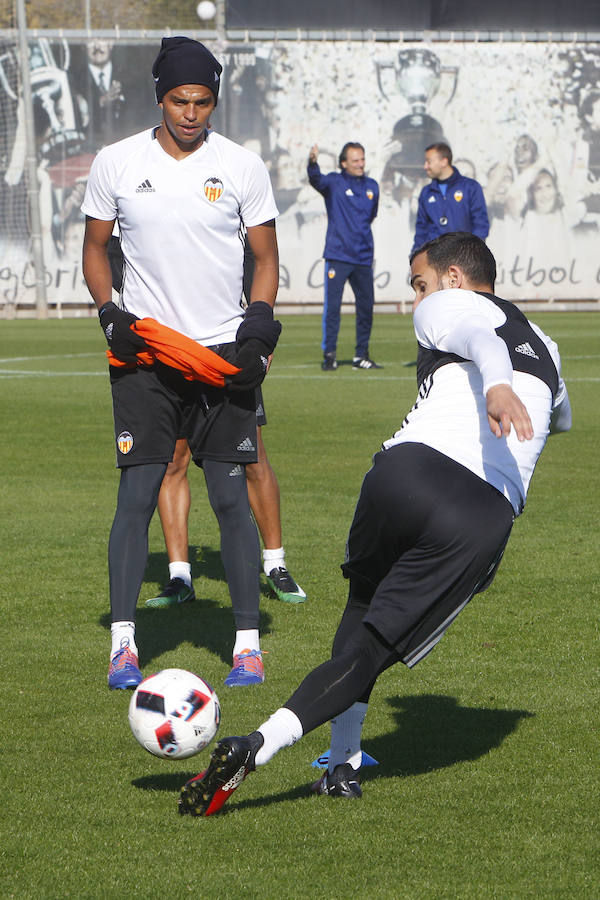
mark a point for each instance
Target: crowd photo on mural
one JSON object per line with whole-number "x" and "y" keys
{"x": 521, "y": 119}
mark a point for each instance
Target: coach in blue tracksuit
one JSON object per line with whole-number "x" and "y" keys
{"x": 451, "y": 202}
{"x": 351, "y": 200}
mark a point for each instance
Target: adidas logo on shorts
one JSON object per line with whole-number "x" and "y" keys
{"x": 247, "y": 445}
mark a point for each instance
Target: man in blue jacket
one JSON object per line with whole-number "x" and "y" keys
{"x": 351, "y": 200}
{"x": 451, "y": 202}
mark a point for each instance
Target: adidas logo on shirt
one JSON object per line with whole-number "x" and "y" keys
{"x": 527, "y": 350}
{"x": 144, "y": 188}
{"x": 246, "y": 445}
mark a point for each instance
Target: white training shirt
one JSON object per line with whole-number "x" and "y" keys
{"x": 182, "y": 224}
{"x": 450, "y": 413}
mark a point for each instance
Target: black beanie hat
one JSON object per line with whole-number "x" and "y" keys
{"x": 184, "y": 61}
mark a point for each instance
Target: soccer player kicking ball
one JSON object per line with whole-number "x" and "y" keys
{"x": 434, "y": 513}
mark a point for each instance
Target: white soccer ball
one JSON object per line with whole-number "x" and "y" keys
{"x": 174, "y": 714}
{"x": 206, "y": 10}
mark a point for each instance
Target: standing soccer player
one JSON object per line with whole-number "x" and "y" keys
{"x": 434, "y": 514}
{"x": 183, "y": 196}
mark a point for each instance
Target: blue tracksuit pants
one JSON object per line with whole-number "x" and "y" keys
{"x": 361, "y": 281}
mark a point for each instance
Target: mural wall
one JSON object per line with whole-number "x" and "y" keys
{"x": 523, "y": 119}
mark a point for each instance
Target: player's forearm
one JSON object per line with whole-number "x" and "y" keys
{"x": 265, "y": 281}
{"x": 97, "y": 274}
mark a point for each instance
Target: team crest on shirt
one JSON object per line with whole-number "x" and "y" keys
{"x": 458, "y": 195}
{"x": 370, "y": 195}
{"x": 213, "y": 188}
{"x": 125, "y": 442}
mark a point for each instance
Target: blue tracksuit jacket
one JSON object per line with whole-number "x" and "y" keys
{"x": 351, "y": 202}
{"x": 462, "y": 209}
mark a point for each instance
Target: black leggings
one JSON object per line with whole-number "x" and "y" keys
{"x": 240, "y": 548}
{"x": 128, "y": 543}
{"x": 345, "y": 678}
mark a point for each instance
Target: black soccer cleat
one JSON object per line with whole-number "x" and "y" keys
{"x": 329, "y": 363}
{"x": 175, "y": 592}
{"x": 342, "y": 782}
{"x": 363, "y": 362}
{"x": 283, "y": 586}
{"x": 230, "y": 762}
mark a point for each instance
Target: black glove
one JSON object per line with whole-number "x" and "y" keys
{"x": 252, "y": 359}
{"x": 115, "y": 323}
{"x": 259, "y": 325}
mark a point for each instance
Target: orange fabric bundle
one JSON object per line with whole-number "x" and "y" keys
{"x": 197, "y": 363}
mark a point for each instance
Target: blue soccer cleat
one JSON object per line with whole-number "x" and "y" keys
{"x": 123, "y": 671}
{"x": 247, "y": 669}
{"x": 322, "y": 761}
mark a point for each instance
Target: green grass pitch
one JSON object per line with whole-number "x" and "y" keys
{"x": 488, "y": 779}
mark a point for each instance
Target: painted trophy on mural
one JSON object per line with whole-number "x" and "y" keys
{"x": 418, "y": 77}
{"x": 54, "y": 109}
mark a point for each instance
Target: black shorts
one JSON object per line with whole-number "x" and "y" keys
{"x": 153, "y": 407}
{"x": 427, "y": 535}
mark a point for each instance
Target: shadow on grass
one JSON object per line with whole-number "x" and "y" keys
{"x": 433, "y": 732}
{"x": 204, "y": 622}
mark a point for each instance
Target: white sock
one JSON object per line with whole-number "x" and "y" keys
{"x": 122, "y": 634}
{"x": 282, "y": 729}
{"x": 273, "y": 559}
{"x": 346, "y": 731}
{"x": 183, "y": 570}
{"x": 246, "y": 640}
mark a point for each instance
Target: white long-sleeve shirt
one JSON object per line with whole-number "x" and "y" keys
{"x": 468, "y": 343}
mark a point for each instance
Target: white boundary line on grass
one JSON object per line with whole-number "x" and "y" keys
{"x": 20, "y": 373}
{"x": 329, "y": 376}
{"x": 14, "y": 359}
{"x": 315, "y": 376}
